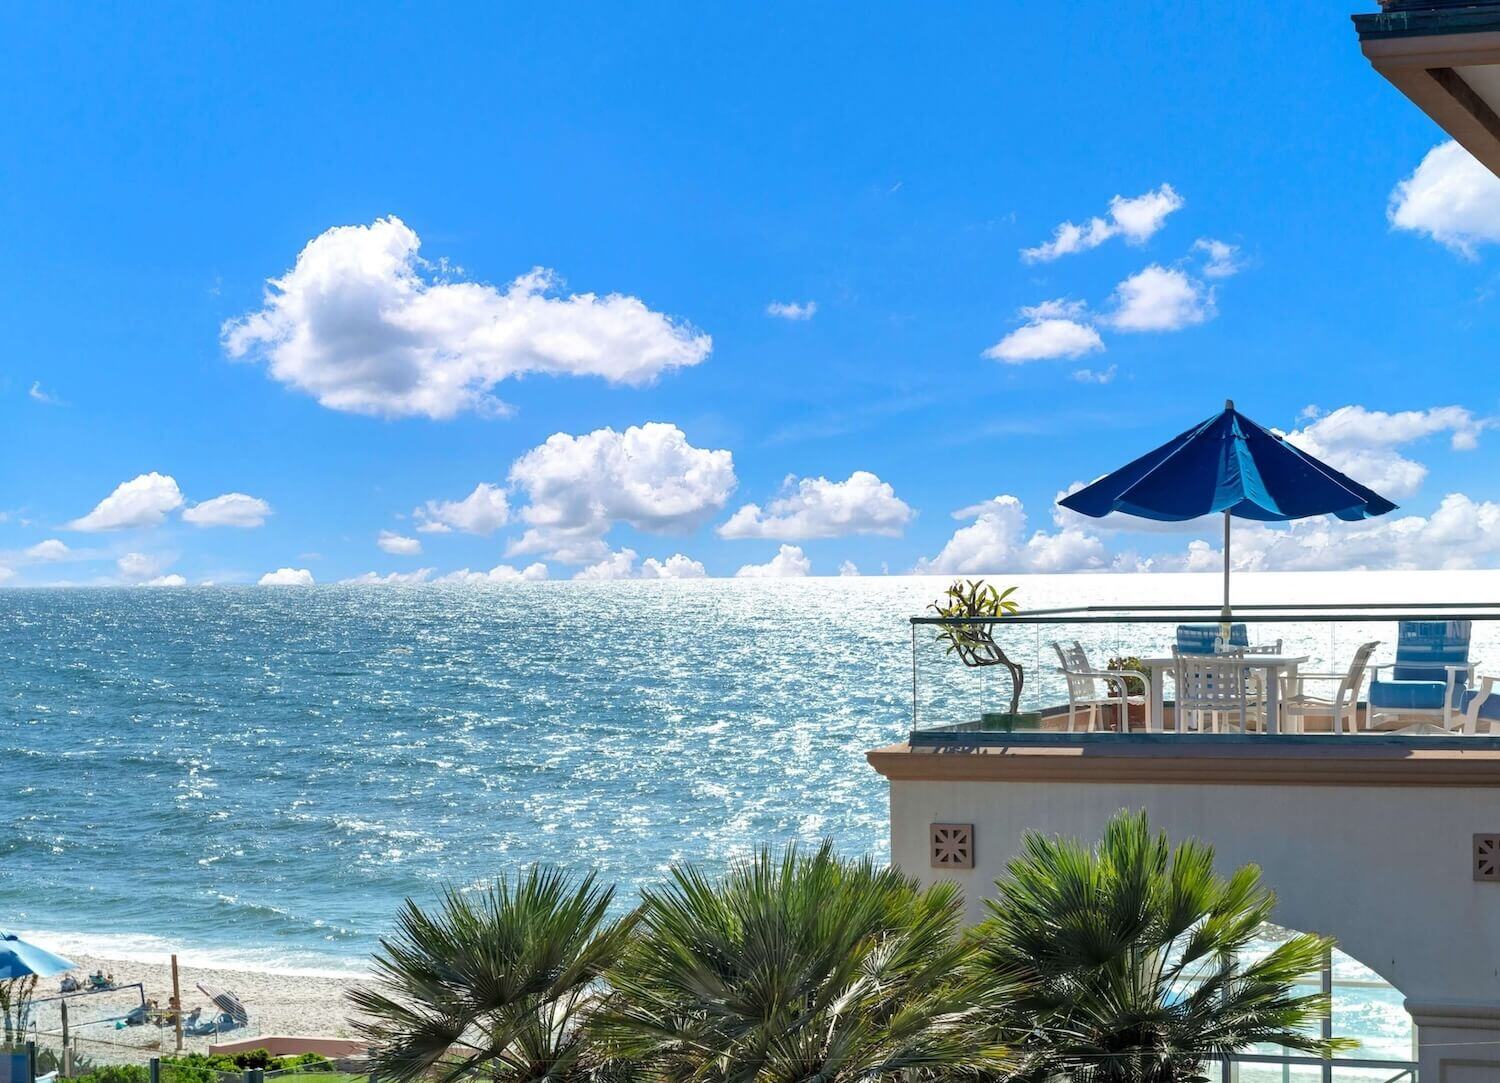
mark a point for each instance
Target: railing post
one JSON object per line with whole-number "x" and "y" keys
{"x": 1328, "y": 1017}
{"x": 31, "y": 1062}
{"x": 155, "y": 1069}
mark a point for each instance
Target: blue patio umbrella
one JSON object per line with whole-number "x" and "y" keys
{"x": 18, "y": 959}
{"x": 1228, "y": 464}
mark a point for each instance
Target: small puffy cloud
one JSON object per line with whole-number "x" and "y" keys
{"x": 676, "y": 566}
{"x": 1160, "y": 299}
{"x": 788, "y": 563}
{"x": 1363, "y": 443}
{"x": 144, "y": 500}
{"x": 648, "y": 477}
{"x": 849, "y": 568}
{"x": 996, "y": 542}
{"x": 483, "y": 511}
{"x": 621, "y": 565}
{"x": 500, "y": 573}
{"x": 1136, "y": 220}
{"x": 51, "y": 549}
{"x": 139, "y": 565}
{"x": 46, "y": 398}
{"x": 287, "y": 577}
{"x": 1052, "y": 329}
{"x": 1220, "y": 259}
{"x": 1095, "y": 376}
{"x": 792, "y": 310}
{"x": 1461, "y": 533}
{"x": 362, "y": 323}
{"x": 398, "y": 544}
{"x": 231, "y": 509}
{"x": 390, "y": 579}
{"x": 166, "y": 581}
{"x": 819, "y": 508}
{"x": 6, "y": 573}
{"x": 1451, "y": 198}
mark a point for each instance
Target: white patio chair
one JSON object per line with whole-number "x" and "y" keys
{"x": 1084, "y": 689}
{"x": 1343, "y": 708}
{"x": 1211, "y": 687}
{"x": 1481, "y": 708}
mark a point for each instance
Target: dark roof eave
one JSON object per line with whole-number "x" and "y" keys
{"x": 1426, "y": 18}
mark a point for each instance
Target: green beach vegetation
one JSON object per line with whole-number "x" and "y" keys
{"x": 1120, "y": 963}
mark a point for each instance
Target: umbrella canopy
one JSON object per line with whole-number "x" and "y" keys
{"x": 18, "y": 959}
{"x": 1228, "y": 464}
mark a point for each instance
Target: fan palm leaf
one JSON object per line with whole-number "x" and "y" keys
{"x": 1128, "y": 962}
{"x": 796, "y": 968}
{"x": 491, "y": 983}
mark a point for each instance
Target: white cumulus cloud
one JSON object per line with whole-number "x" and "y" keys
{"x": 621, "y": 565}
{"x": 1053, "y": 329}
{"x": 231, "y": 509}
{"x": 1136, "y": 220}
{"x": 1220, "y": 259}
{"x": 1451, "y": 198}
{"x": 390, "y": 579}
{"x": 676, "y": 566}
{"x": 140, "y": 565}
{"x": 500, "y": 573}
{"x": 483, "y": 511}
{"x": 996, "y": 542}
{"x": 1363, "y": 443}
{"x": 51, "y": 549}
{"x": 173, "y": 580}
{"x": 792, "y": 310}
{"x": 144, "y": 500}
{"x": 398, "y": 544}
{"x": 788, "y": 563}
{"x": 287, "y": 577}
{"x": 819, "y": 508}
{"x": 1160, "y": 299}
{"x": 649, "y": 477}
{"x": 362, "y": 323}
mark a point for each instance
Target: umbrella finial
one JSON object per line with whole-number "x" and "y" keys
{"x": 1229, "y": 404}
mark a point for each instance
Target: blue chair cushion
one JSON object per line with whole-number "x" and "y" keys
{"x": 1411, "y": 695}
{"x": 1425, "y": 647}
{"x": 1199, "y": 638}
{"x": 1489, "y": 709}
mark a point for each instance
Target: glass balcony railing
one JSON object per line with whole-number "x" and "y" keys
{"x": 1424, "y": 671}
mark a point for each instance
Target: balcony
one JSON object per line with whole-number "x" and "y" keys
{"x": 1098, "y": 673}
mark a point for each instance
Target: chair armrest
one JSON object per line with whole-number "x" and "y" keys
{"x": 1321, "y": 676}
{"x": 1376, "y": 667}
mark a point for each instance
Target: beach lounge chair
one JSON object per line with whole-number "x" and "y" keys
{"x": 1085, "y": 691}
{"x": 1430, "y": 676}
{"x": 1343, "y": 708}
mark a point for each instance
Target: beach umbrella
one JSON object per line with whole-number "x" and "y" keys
{"x": 1233, "y": 466}
{"x": 18, "y": 959}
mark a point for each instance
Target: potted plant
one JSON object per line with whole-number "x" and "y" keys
{"x": 970, "y": 610}
{"x": 1135, "y": 685}
{"x": 15, "y": 1013}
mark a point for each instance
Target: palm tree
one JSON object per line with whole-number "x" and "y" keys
{"x": 795, "y": 968}
{"x": 493, "y": 984}
{"x": 1128, "y": 963}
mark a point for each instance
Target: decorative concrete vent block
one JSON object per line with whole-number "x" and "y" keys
{"x": 953, "y": 846}
{"x": 1487, "y": 858}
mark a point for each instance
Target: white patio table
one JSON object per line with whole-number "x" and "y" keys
{"x": 1276, "y": 667}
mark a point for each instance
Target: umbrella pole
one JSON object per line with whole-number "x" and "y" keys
{"x": 1224, "y": 616}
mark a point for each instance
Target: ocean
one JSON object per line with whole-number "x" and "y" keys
{"x": 258, "y": 776}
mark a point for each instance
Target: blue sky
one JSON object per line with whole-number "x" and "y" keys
{"x": 677, "y": 172}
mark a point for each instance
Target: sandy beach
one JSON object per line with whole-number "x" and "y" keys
{"x": 278, "y": 1003}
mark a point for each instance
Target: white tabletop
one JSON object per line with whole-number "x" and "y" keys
{"x": 1257, "y": 660}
